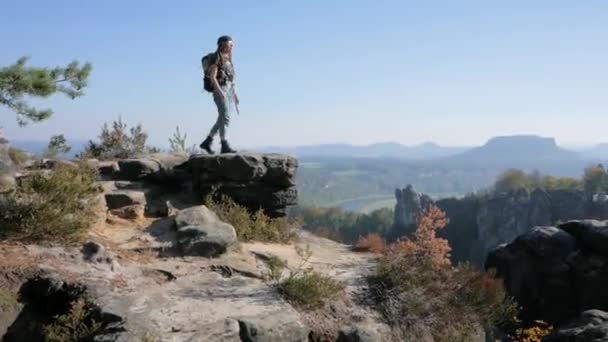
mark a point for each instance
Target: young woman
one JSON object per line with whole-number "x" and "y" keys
{"x": 220, "y": 74}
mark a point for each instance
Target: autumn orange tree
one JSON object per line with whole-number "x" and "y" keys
{"x": 417, "y": 288}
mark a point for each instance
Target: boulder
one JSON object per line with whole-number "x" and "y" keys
{"x": 137, "y": 169}
{"x": 274, "y": 327}
{"x": 590, "y": 326}
{"x": 537, "y": 273}
{"x": 201, "y": 233}
{"x": 122, "y": 198}
{"x": 107, "y": 169}
{"x": 592, "y": 234}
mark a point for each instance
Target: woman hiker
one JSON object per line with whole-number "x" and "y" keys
{"x": 219, "y": 79}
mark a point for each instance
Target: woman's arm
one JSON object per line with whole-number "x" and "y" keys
{"x": 213, "y": 78}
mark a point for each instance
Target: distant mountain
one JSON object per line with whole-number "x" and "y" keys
{"x": 378, "y": 150}
{"x": 517, "y": 150}
{"x": 599, "y": 151}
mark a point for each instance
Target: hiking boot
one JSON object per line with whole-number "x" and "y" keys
{"x": 226, "y": 148}
{"x": 206, "y": 145}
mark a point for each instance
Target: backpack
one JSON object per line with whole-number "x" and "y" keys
{"x": 206, "y": 62}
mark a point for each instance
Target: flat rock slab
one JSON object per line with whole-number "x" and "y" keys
{"x": 273, "y": 169}
{"x": 155, "y": 167}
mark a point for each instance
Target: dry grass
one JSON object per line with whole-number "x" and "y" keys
{"x": 250, "y": 227}
{"x": 373, "y": 243}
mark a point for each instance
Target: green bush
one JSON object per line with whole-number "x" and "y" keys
{"x": 250, "y": 227}
{"x": 305, "y": 288}
{"x": 119, "y": 142}
{"x": 74, "y": 326}
{"x": 310, "y": 290}
{"x": 55, "y": 207}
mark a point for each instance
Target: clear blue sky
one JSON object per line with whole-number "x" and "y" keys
{"x": 453, "y": 72}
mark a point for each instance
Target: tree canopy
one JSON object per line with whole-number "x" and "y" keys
{"x": 19, "y": 80}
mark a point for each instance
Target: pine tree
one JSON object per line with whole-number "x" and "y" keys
{"x": 19, "y": 80}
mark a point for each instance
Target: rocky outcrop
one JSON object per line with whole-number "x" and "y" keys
{"x": 478, "y": 224}
{"x": 556, "y": 273}
{"x": 256, "y": 181}
{"x": 224, "y": 299}
{"x": 504, "y": 216}
{"x": 591, "y": 326}
{"x": 409, "y": 204}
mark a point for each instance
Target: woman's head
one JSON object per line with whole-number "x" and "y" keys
{"x": 224, "y": 44}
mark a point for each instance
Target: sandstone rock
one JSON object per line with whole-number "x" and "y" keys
{"x": 108, "y": 168}
{"x": 159, "y": 168}
{"x": 537, "y": 272}
{"x": 272, "y": 169}
{"x": 7, "y": 182}
{"x": 95, "y": 253}
{"x": 264, "y": 329}
{"x": 409, "y": 204}
{"x": 591, "y": 326}
{"x": 122, "y": 198}
{"x": 136, "y": 169}
{"x": 129, "y": 212}
{"x": 265, "y": 181}
{"x": 201, "y": 233}
{"x": 592, "y": 234}
{"x": 503, "y": 217}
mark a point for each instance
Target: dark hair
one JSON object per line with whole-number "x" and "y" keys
{"x": 223, "y": 39}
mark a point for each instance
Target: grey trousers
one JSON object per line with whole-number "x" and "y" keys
{"x": 224, "y": 109}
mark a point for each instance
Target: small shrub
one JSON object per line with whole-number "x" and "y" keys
{"x": 308, "y": 289}
{"x": 119, "y": 142}
{"x": 373, "y": 243}
{"x": 250, "y": 227}
{"x": 19, "y": 157}
{"x": 74, "y": 326}
{"x": 50, "y": 208}
{"x": 178, "y": 143}
{"x": 276, "y": 266}
{"x": 7, "y": 300}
